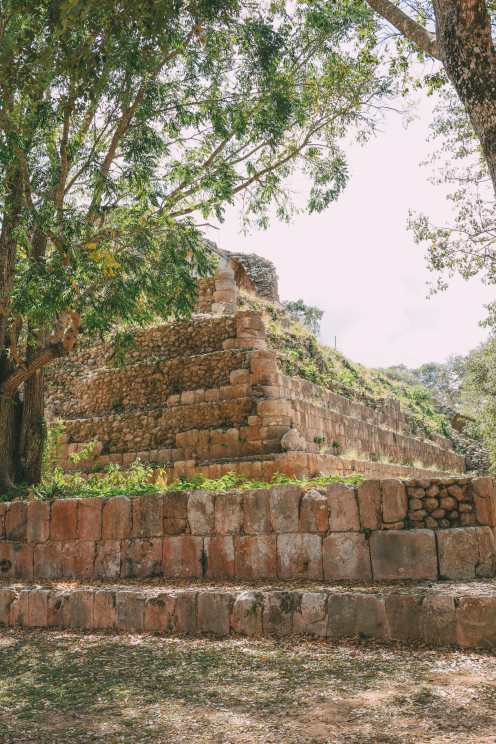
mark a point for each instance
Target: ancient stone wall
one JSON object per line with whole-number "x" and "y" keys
{"x": 369, "y": 533}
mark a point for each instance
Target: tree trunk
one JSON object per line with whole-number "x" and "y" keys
{"x": 9, "y": 442}
{"x": 32, "y": 436}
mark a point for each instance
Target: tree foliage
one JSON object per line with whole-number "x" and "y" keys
{"x": 308, "y": 315}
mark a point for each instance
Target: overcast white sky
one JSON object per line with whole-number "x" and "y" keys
{"x": 358, "y": 262}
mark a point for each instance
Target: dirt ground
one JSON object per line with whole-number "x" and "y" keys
{"x": 63, "y": 687}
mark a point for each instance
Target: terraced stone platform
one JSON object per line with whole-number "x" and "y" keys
{"x": 451, "y": 614}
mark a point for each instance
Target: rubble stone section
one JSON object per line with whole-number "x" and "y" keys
{"x": 462, "y": 615}
{"x": 334, "y": 533}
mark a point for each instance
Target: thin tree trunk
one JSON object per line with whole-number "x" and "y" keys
{"x": 9, "y": 441}
{"x": 32, "y": 437}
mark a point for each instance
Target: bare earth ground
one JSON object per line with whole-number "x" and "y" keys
{"x": 62, "y": 687}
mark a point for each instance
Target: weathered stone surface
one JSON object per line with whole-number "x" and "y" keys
{"x": 78, "y": 609}
{"x": 256, "y": 556}
{"x": 439, "y": 619}
{"x": 486, "y": 565}
{"x": 201, "y": 514}
{"x": 23, "y": 561}
{"x": 108, "y": 559}
{"x": 16, "y": 521}
{"x": 38, "y": 521}
{"x": 7, "y": 562}
{"x": 175, "y": 510}
{"x": 48, "y": 561}
{"x": 37, "y": 608}
{"x": 353, "y": 614}
{"x": 219, "y": 551}
{"x": 185, "y": 612}
{"x": 7, "y": 597}
{"x": 78, "y": 559}
{"x": 147, "y": 515}
{"x": 247, "y": 613}
{"x": 409, "y": 554}
{"x": 256, "y": 511}
{"x": 183, "y": 556}
{"x": 343, "y": 508}
{"x": 476, "y": 622}
{"x": 159, "y": 613}
{"x": 19, "y": 609}
{"x": 278, "y": 613}
{"x": 130, "y": 611}
{"x": 484, "y": 500}
{"x": 299, "y": 556}
{"x": 141, "y": 558}
{"x": 369, "y": 504}
{"x": 310, "y": 615}
{"x": 346, "y": 556}
{"x": 284, "y": 508}
{"x": 314, "y": 512}
{"x": 116, "y": 518}
{"x": 56, "y": 613}
{"x": 214, "y": 612}
{"x": 90, "y": 519}
{"x": 458, "y": 553}
{"x": 105, "y": 610}
{"x": 228, "y": 513}
{"x": 63, "y": 521}
{"x": 404, "y": 616}
{"x": 394, "y": 500}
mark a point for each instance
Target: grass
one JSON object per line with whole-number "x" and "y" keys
{"x": 141, "y": 478}
{"x": 57, "y": 687}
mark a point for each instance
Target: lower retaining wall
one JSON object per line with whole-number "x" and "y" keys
{"x": 462, "y": 616}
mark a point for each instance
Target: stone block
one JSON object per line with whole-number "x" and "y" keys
{"x": 147, "y": 511}
{"x": 476, "y": 622}
{"x": 23, "y": 561}
{"x": 141, "y": 558}
{"x": 228, "y": 513}
{"x": 90, "y": 519}
{"x": 78, "y": 609}
{"x": 108, "y": 559}
{"x": 369, "y": 504}
{"x": 63, "y": 520}
{"x": 159, "y": 613}
{"x": 38, "y": 521}
{"x": 16, "y": 521}
{"x": 346, "y": 557}
{"x": 78, "y": 559}
{"x": 310, "y": 615}
{"x": 3, "y": 512}
{"x": 256, "y": 557}
{"x": 37, "y": 608}
{"x": 439, "y": 619}
{"x": 314, "y": 512}
{"x": 343, "y": 508}
{"x": 299, "y": 556}
{"x": 183, "y": 556}
{"x": 56, "y": 613}
{"x": 353, "y": 614}
{"x": 201, "y": 512}
{"x": 7, "y": 563}
{"x": 175, "y": 510}
{"x": 48, "y": 561}
{"x": 404, "y": 614}
{"x": 247, "y": 614}
{"x": 484, "y": 500}
{"x": 278, "y": 611}
{"x": 285, "y": 508}
{"x": 486, "y": 566}
{"x": 19, "y": 610}
{"x": 219, "y": 552}
{"x": 458, "y": 550}
{"x": 105, "y": 610}
{"x": 130, "y": 611}
{"x": 214, "y": 612}
{"x": 7, "y": 597}
{"x": 116, "y": 518}
{"x": 409, "y": 554}
{"x": 256, "y": 508}
{"x": 185, "y": 612}
{"x": 394, "y": 500}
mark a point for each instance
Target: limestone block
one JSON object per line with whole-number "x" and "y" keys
{"x": 353, "y": 614}
{"x": 90, "y": 519}
{"x": 403, "y": 554}
{"x": 299, "y": 556}
{"x": 394, "y": 500}
{"x": 56, "y": 613}
{"x": 37, "y": 608}
{"x": 310, "y": 615}
{"x": 78, "y": 559}
{"x": 78, "y": 609}
{"x": 346, "y": 557}
{"x": 369, "y": 504}
{"x": 314, "y": 512}
{"x": 255, "y": 557}
{"x": 7, "y": 597}
{"x": 214, "y": 612}
{"x": 48, "y": 561}
{"x": 141, "y": 558}
{"x": 7, "y": 561}
{"x": 105, "y": 609}
{"x": 219, "y": 552}
{"x": 108, "y": 559}
{"x": 476, "y": 622}
{"x": 278, "y": 610}
{"x": 486, "y": 566}
{"x": 16, "y": 521}
{"x": 439, "y": 619}
{"x": 404, "y": 614}
{"x": 185, "y": 612}
{"x": 159, "y": 613}
{"x": 19, "y": 609}
{"x": 183, "y": 556}
{"x": 175, "y": 511}
{"x": 458, "y": 553}
{"x": 201, "y": 512}
{"x": 147, "y": 515}
{"x": 116, "y": 518}
{"x": 256, "y": 511}
{"x": 284, "y": 508}
{"x": 485, "y": 500}
{"x": 38, "y": 521}
{"x": 343, "y": 508}
{"x": 130, "y": 611}
{"x": 228, "y": 513}
{"x": 246, "y": 617}
{"x": 23, "y": 561}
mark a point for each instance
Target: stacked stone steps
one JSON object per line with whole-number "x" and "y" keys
{"x": 451, "y": 614}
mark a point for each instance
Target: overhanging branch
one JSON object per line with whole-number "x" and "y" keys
{"x": 412, "y": 30}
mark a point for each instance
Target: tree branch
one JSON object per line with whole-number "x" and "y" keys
{"x": 412, "y": 30}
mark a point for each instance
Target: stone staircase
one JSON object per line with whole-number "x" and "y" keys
{"x": 389, "y": 560}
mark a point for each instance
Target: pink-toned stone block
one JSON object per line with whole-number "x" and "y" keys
{"x": 405, "y": 554}
{"x": 185, "y": 612}
{"x": 484, "y": 500}
{"x": 37, "y": 608}
{"x": 7, "y": 562}
{"x": 219, "y": 551}
{"x": 90, "y": 519}
{"x": 7, "y": 597}
{"x": 38, "y": 521}
{"x": 201, "y": 512}
{"x": 175, "y": 510}
{"x": 278, "y": 613}
{"x": 56, "y": 613}
{"x": 369, "y": 504}
{"x": 343, "y": 508}
{"x": 346, "y": 557}
{"x": 256, "y": 557}
{"x": 48, "y": 561}
{"x": 78, "y": 609}
{"x": 394, "y": 500}
{"x": 256, "y": 511}
{"x": 63, "y": 520}
{"x": 159, "y": 613}
{"x": 458, "y": 552}
{"x": 105, "y": 610}
{"x": 214, "y": 612}
{"x": 19, "y": 610}
{"x": 285, "y": 508}
{"x": 183, "y": 556}
{"x": 23, "y": 561}
{"x": 299, "y": 556}
{"x": 228, "y": 513}
{"x": 141, "y": 558}
{"x": 78, "y": 559}
{"x": 108, "y": 559}
{"x": 116, "y": 518}
{"x": 352, "y": 614}
{"x": 148, "y": 515}
{"x": 314, "y": 512}
{"x": 130, "y": 611}
{"x": 310, "y": 615}
{"x": 16, "y": 521}
{"x": 247, "y": 613}
{"x": 476, "y": 622}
